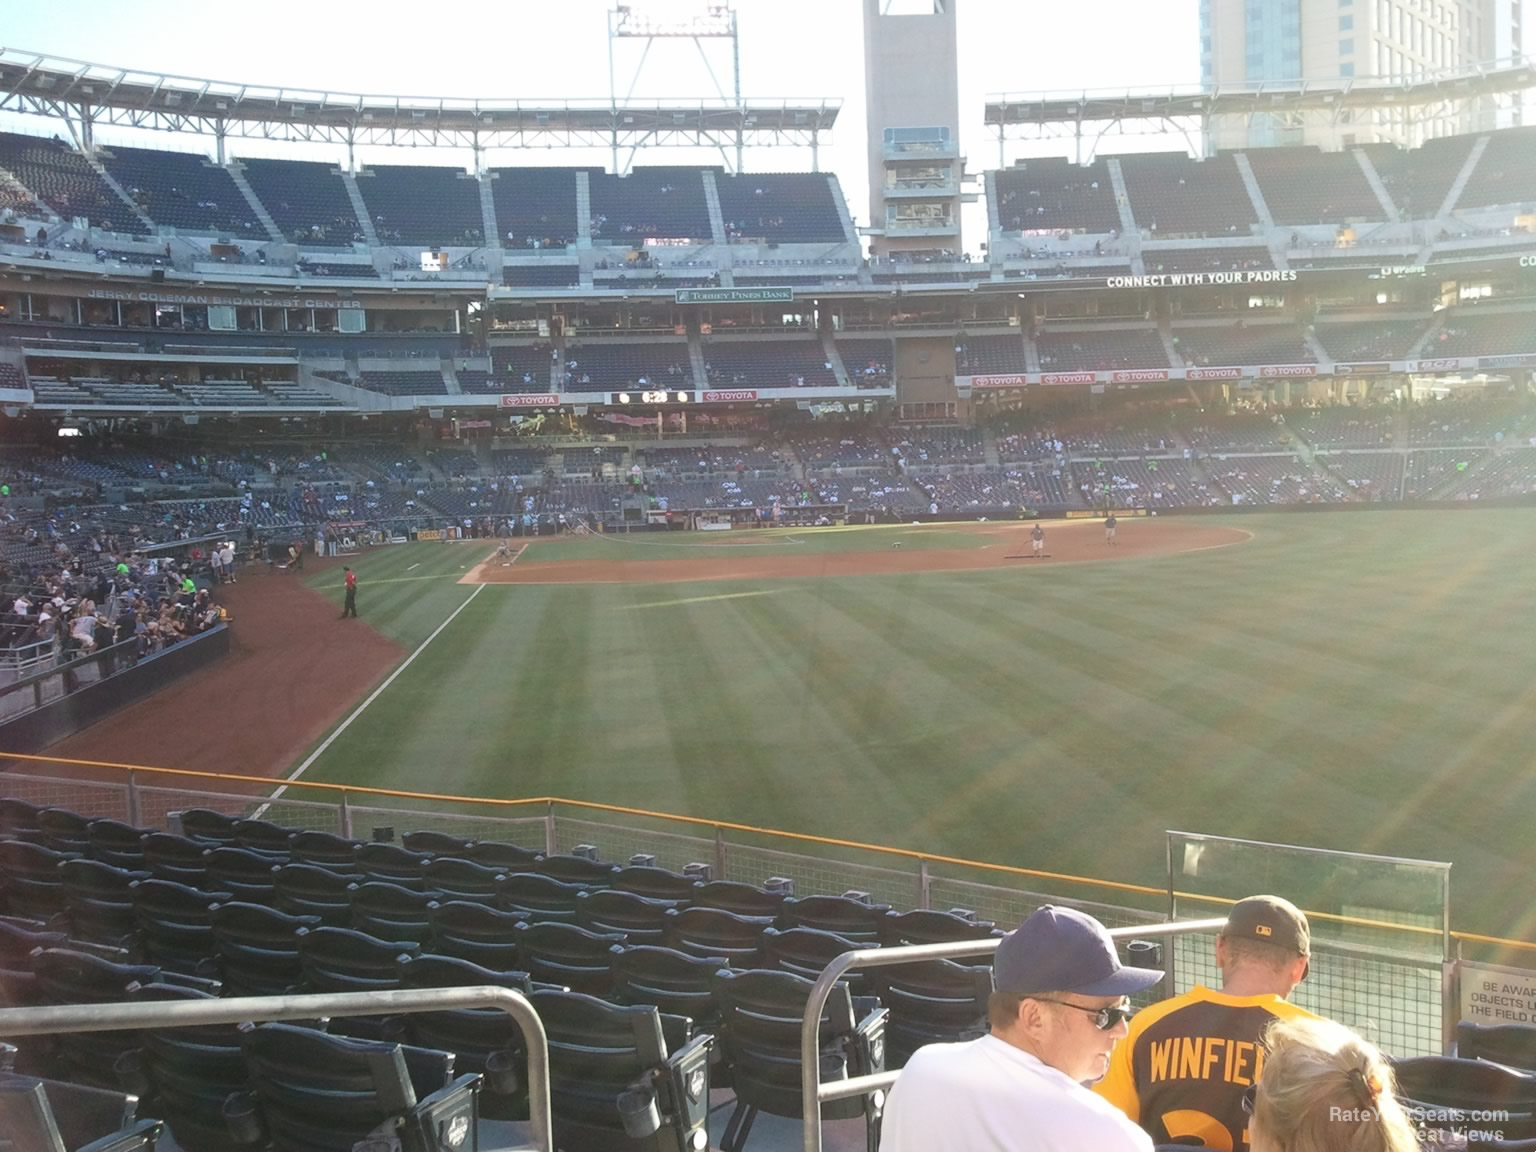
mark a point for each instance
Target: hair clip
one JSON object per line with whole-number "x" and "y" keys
{"x": 1368, "y": 1083}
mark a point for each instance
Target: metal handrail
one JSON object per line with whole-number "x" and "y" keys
{"x": 252, "y": 1009}
{"x": 99, "y": 657}
{"x": 813, "y": 1093}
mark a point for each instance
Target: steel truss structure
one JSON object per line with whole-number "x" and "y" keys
{"x": 1189, "y": 110}
{"x": 84, "y": 96}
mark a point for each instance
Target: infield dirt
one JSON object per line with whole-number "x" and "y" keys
{"x": 1070, "y": 542}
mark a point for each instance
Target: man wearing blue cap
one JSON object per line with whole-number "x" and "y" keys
{"x": 1058, "y": 1006}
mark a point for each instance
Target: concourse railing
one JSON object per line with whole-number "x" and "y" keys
{"x": 17, "y": 1022}
{"x": 813, "y": 1093}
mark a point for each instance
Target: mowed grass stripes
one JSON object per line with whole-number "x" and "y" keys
{"x": 1354, "y": 681}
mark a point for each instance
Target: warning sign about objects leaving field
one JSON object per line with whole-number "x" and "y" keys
{"x": 1491, "y": 994}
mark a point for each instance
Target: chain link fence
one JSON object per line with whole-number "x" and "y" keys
{"x": 96, "y": 799}
{"x": 1395, "y": 1001}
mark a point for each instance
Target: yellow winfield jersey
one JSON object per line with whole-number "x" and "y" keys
{"x": 1181, "y": 1071}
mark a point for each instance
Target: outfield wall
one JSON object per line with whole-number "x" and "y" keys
{"x": 45, "y": 708}
{"x": 1006, "y": 513}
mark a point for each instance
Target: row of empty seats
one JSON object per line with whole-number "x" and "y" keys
{"x": 1305, "y": 185}
{"x": 1243, "y": 345}
{"x": 600, "y": 365}
{"x": 1173, "y": 194}
{"x": 265, "y": 909}
{"x": 64, "y": 180}
{"x": 183, "y": 190}
{"x": 653, "y": 987}
{"x": 1169, "y": 194}
{"x": 1101, "y": 351}
{"x": 426, "y": 205}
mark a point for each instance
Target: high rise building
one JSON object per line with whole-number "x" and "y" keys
{"x": 1252, "y": 42}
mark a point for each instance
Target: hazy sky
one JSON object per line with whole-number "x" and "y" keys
{"x": 531, "y": 50}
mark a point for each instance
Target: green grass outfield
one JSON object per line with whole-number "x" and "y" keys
{"x": 1353, "y": 681}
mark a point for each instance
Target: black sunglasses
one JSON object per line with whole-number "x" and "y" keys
{"x": 1103, "y": 1018}
{"x": 1250, "y": 1094}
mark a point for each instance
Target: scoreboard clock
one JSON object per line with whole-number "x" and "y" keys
{"x": 650, "y": 399}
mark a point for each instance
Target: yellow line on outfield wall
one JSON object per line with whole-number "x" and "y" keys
{"x": 803, "y": 837}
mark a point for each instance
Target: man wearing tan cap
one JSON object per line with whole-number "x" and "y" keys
{"x": 1182, "y": 1069}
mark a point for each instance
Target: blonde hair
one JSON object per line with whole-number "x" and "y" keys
{"x": 1324, "y": 1089}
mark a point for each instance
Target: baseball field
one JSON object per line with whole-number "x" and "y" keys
{"x": 1361, "y": 681}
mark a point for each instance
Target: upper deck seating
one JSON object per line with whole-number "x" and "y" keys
{"x": 660, "y": 203}
{"x": 183, "y": 190}
{"x": 1174, "y": 195}
{"x": 1308, "y": 186}
{"x": 1053, "y": 194}
{"x": 428, "y": 205}
{"x": 306, "y": 199}
{"x": 780, "y": 207}
{"x": 535, "y": 207}
{"x": 66, "y": 182}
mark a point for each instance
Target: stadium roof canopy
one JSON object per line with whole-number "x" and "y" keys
{"x": 1339, "y": 96}
{"x": 85, "y": 95}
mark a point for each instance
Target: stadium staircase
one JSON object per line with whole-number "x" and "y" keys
{"x": 1276, "y": 238}
{"x": 557, "y": 365}
{"x": 488, "y": 212}
{"x": 1302, "y": 449}
{"x": 1165, "y": 334}
{"x": 584, "y": 218}
{"x": 850, "y": 233}
{"x": 359, "y": 209}
{"x": 347, "y": 391}
{"x": 1316, "y": 466}
{"x": 1431, "y": 334}
{"x": 1255, "y": 193}
{"x": 1031, "y": 354}
{"x": 833, "y": 355}
{"x": 122, "y": 193}
{"x": 716, "y": 216}
{"x": 258, "y": 209}
{"x": 1373, "y": 178}
{"x": 797, "y": 469}
{"x": 1453, "y": 193}
{"x": 1319, "y": 353}
{"x": 450, "y": 381}
{"x": 696, "y": 352}
{"x": 1128, "y": 229}
{"x": 989, "y": 452}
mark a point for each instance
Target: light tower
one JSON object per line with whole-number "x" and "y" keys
{"x": 704, "y": 22}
